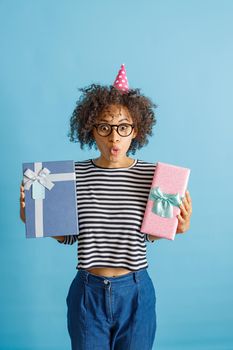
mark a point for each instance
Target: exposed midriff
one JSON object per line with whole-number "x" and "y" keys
{"x": 108, "y": 271}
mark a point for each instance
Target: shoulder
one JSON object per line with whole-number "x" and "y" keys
{"x": 144, "y": 164}
{"x": 82, "y": 163}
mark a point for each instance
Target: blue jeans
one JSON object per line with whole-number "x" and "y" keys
{"x": 111, "y": 313}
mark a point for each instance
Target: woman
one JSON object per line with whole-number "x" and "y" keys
{"x": 111, "y": 301}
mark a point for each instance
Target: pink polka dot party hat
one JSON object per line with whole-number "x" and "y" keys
{"x": 121, "y": 81}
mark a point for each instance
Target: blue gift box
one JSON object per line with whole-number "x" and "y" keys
{"x": 50, "y": 199}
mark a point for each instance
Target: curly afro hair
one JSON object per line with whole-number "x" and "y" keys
{"x": 95, "y": 98}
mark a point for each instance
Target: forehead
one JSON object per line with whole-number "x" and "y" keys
{"x": 115, "y": 112}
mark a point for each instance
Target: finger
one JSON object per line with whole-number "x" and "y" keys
{"x": 184, "y": 216}
{"x": 184, "y": 212}
{"x": 22, "y": 203}
{"x": 188, "y": 196}
{"x": 22, "y": 195}
{"x": 186, "y": 205}
{"x": 181, "y": 220}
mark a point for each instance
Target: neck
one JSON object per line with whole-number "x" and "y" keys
{"x": 113, "y": 163}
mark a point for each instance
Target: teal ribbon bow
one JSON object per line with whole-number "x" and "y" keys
{"x": 164, "y": 202}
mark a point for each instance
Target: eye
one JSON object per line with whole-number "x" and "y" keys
{"x": 123, "y": 127}
{"x": 103, "y": 127}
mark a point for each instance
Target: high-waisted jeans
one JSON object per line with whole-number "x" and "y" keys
{"x": 111, "y": 313}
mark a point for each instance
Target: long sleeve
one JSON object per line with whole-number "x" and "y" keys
{"x": 69, "y": 239}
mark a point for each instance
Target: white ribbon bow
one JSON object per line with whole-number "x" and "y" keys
{"x": 42, "y": 177}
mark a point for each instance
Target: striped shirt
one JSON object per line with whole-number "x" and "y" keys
{"x": 111, "y": 203}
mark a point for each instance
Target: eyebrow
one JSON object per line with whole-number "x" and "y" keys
{"x": 103, "y": 120}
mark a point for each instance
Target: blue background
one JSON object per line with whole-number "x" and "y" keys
{"x": 180, "y": 54}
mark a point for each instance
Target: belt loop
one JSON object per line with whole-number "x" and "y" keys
{"x": 136, "y": 277}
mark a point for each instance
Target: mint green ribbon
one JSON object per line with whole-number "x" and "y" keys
{"x": 164, "y": 202}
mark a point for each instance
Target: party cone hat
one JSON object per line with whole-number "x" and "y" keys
{"x": 121, "y": 81}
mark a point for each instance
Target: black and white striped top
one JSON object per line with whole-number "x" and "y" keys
{"x": 111, "y": 203}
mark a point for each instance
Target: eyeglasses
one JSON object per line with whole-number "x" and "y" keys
{"x": 105, "y": 129}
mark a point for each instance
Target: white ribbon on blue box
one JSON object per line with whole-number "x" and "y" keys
{"x": 50, "y": 198}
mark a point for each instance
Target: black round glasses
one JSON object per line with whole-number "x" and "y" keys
{"x": 105, "y": 129}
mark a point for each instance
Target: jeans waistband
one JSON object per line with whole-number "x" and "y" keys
{"x": 131, "y": 277}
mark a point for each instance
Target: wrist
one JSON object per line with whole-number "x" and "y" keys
{"x": 59, "y": 238}
{"x": 153, "y": 238}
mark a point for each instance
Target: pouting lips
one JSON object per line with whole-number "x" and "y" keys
{"x": 114, "y": 149}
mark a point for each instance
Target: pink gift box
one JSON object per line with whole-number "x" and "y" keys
{"x": 167, "y": 190}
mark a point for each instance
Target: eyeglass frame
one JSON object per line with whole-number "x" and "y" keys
{"x": 111, "y": 126}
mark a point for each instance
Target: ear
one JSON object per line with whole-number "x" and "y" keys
{"x": 135, "y": 132}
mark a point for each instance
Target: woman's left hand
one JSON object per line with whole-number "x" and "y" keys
{"x": 185, "y": 214}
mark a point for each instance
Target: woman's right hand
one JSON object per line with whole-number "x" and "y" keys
{"x": 22, "y": 203}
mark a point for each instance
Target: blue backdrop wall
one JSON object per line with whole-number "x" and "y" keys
{"x": 180, "y": 54}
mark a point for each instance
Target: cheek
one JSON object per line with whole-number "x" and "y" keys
{"x": 101, "y": 144}
{"x": 127, "y": 143}
{"x": 131, "y": 139}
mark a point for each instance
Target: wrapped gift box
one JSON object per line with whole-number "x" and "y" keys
{"x": 50, "y": 199}
{"x": 168, "y": 188}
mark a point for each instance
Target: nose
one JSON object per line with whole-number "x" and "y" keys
{"x": 114, "y": 136}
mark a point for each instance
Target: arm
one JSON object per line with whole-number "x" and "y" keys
{"x": 66, "y": 239}
{"x": 60, "y": 239}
